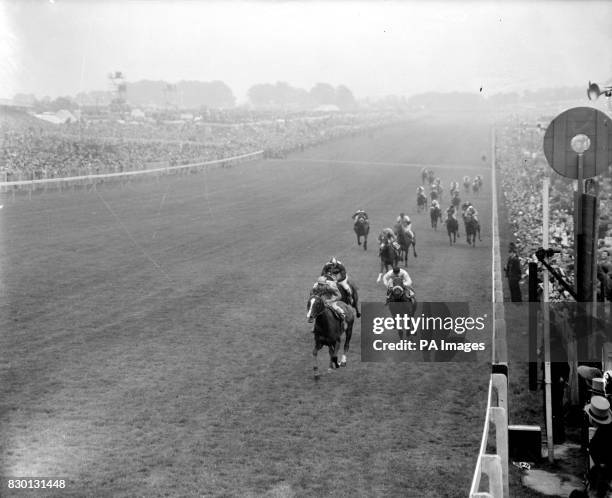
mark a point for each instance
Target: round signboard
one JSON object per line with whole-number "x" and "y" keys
{"x": 579, "y": 131}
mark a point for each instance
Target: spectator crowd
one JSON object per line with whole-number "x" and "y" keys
{"x": 108, "y": 145}
{"x": 522, "y": 167}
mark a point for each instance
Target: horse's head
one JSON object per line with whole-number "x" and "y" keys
{"x": 314, "y": 307}
{"x": 397, "y": 292}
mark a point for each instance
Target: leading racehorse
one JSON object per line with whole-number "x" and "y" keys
{"x": 328, "y": 331}
{"x": 406, "y": 238}
{"x": 362, "y": 229}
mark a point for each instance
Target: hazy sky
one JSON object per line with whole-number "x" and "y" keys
{"x": 374, "y": 47}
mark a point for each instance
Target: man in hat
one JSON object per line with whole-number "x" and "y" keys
{"x": 600, "y": 446}
{"x": 513, "y": 273}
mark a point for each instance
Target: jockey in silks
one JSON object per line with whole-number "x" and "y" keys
{"x": 435, "y": 204}
{"x": 337, "y": 269}
{"x": 471, "y": 212}
{"x": 466, "y": 181}
{"x": 420, "y": 190}
{"x": 387, "y": 236}
{"x": 397, "y": 276}
{"x": 328, "y": 290}
{"x": 404, "y": 220}
{"x": 451, "y": 213}
{"x": 360, "y": 213}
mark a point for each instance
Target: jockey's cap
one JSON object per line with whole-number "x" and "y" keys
{"x": 333, "y": 260}
{"x": 321, "y": 280}
{"x": 396, "y": 269}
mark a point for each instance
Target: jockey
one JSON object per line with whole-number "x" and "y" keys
{"x": 404, "y": 219}
{"x": 471, "y": 212}
{"x": 329, "y": 292}
{"x": 337, "y": 269}
{"x": 387, "y": 236}
{"x": 420, "y": 190}
{"x": 451, "y": 213}
{"x": 397, "y": 276}
{"x": 360, "y": 213}
{"x": 435, "y": 204}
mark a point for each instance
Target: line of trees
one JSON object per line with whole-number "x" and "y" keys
{"x": 284, "y": 95}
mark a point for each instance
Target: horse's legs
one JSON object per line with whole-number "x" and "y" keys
{"x": 315, "y": 358}
{"x": 365, "y": 242}
{"x": 333, "y": 355}
{"x": 358, "y": 239}
{"x": 356, "y": 301}
{"x": 347, "y": 341}
{"x": 414, "y": 249}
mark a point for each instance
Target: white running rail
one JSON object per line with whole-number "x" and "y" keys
{"x": 250, "y": 156}
{"x": 495, "y": 466}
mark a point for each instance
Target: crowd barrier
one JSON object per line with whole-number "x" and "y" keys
{"x": 495, "y": 465}
{"x": 12, "y": 185}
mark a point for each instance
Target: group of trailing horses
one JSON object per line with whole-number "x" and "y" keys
{"x": 471, "y": 223}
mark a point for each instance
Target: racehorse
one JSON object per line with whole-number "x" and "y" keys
{"x": 328, "y": 331}
{"x": 389, "y": 256}
{"x": 431, "y": 176}
{"x": 406, "y": 238}
{"x": 362, "y": 229}
{"x": 353, "y": 298}
{"x": 466, "y": 184}
{"x": 437, "y": 188}
{"x": 456, "y": 202}
{"x": 424, "y": 175}
{"x": 435, "y": 213}
{"x": 472, "y": 227}
{"x": 452, "y": 228}
{"x": 401, "y": 301}
{"x": 421, "y": 202}
{"x": 476, "y": 184}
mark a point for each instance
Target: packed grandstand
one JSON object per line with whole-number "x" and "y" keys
{"x": 33, "y": 149}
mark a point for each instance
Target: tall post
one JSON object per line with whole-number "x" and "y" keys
{"x": 546, "y": 323}
{"x": 533, "y": 326}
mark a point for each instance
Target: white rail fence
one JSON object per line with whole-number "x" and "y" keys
{"x": 92, "y": 178}
{"x": 495, "y": 465}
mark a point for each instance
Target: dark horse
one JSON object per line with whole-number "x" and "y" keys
{"x": 401, "y": 301}
{"x": 406, "y": 238}
{"x": 452, "y": 228}
{"x": 472, "y": 227}
{"x": 435, "y": 213}
{"x": 362, "y": 229}
{"x": 328, "y": 331}
{"x": 421, "y": 202}
{"x": 389, "y": 256}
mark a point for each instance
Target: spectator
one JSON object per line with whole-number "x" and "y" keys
{"x": 513, "y": 273}
{"x": 600, "y": 445}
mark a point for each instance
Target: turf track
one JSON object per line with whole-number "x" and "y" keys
{"x": 154, "y": 340}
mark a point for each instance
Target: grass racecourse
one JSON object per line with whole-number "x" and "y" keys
{"x": 154, "y": 340}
